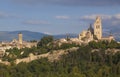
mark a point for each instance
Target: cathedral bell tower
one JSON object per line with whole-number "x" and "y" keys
{"x": 98, "y": 28}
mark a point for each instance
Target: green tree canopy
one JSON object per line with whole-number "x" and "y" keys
{"x": 45, "y": 40}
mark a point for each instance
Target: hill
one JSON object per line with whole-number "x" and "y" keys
{"x": 82, "y": 62}
{"x": 27, "y": 35}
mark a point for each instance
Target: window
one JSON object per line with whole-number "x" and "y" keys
{"x": 97, "y": 22}
{"x": 97, "y": 26}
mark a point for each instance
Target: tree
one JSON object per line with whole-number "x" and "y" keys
{"x": 44, "y": 41}
{"x": 76, "y": 72}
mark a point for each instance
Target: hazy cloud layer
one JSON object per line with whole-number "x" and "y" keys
{"x": 93, "y": 16}
{"x": 36, "y": 22}
{"x": 6, "y": 15}
{"x": 110, "y": 22}
{"x": 74, "y": 2}
{"x": 3, "y": 15}
{"x": 62, "y": 17}
{"x": 103, "y": 16}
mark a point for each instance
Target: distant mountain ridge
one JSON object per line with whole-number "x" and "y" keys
{"x": 115, "y": 32}
{"x": 28, "y": 35}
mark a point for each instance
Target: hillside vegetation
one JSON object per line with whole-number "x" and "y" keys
{"x": 80, "y": 63}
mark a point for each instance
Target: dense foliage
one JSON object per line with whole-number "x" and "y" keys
{"x": 81, "y": 63}
{"x": 104, "y": 44}
{"x": 45, "y": 40}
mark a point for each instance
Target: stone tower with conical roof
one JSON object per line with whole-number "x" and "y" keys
{"x": 98, "y": 28}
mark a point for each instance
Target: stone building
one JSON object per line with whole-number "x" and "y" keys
{"x": 94, "y": 34}
{"x": 98, "y": 28}
{"x": 20, "y": 38}
{"x": 87, "y": 35}
{"x": 15, "y": 44}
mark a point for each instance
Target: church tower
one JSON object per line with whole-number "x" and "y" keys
{"x": 20, "y": 38}
{"x": 98, "y": 28}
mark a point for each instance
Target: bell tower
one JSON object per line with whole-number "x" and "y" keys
{"x": 20, "y": 38}
{"x": 98, "y": 28}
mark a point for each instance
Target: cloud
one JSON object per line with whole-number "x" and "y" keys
{"x": 93, "y": 17}
{"x": 73, "y": 2}
{"x": 62, "y": 17}
{"x": 109, "y": 21}
{"x": 48, "y": 33}
{"x": 36, "y": 22}
{"x": 117, "y": 16}
{"x": 103, "y": 16}
{"x": 7, "y": 15}
{"x": 116, "y": 22}
{"x": 3, "y": 15}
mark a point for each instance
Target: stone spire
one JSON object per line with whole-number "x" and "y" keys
{"x": 91, "y": 29}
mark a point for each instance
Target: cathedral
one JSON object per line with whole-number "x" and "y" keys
{"x": 94, "y": 33}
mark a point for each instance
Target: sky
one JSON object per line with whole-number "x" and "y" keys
{"x": 58, "y": 16}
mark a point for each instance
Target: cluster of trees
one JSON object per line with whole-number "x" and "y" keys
{"x": 67, "y": 45}
{"x": 104, "y": 44}
{"x": 24, "y": 52}
{"x": 81, "y": 63}
{"x": 44, "y": 45}
{"x": 20, "y": 53}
